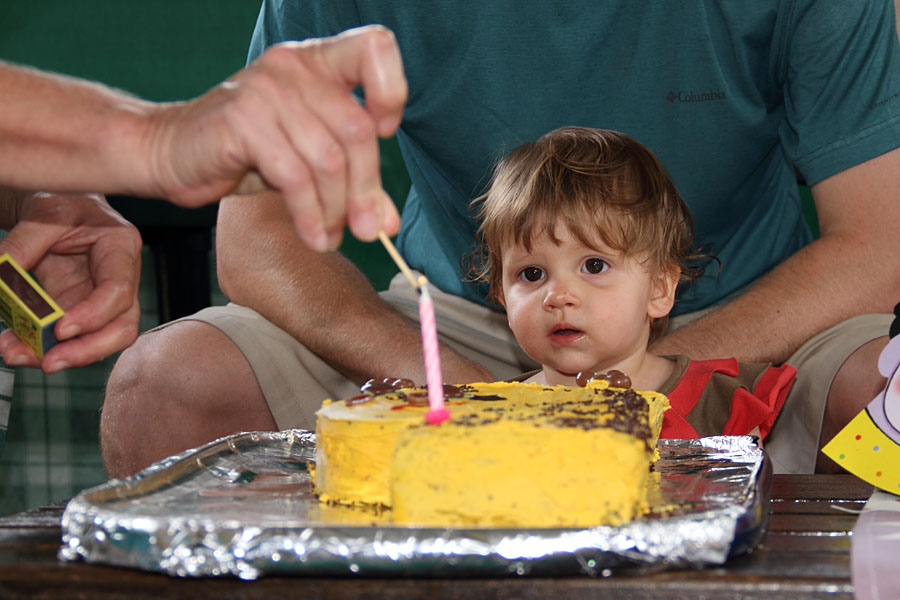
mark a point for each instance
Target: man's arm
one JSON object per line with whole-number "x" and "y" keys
{"x": 320, "y": 298}
{"x": 850, "y": 270}
{"x": 289, "y": 118}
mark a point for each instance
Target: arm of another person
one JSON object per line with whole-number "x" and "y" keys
{"x": 288, "y": 118}
{"x": 320, "y": 298}
{"x": 851, "y": 269}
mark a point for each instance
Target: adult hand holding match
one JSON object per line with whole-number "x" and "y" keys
{"x": 288, "y": 121}
{"x": 290, "y": 117}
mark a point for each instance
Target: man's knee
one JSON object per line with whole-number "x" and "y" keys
{"x": 174, "y": 389}
{"x": 856, "y": 383}
{"x": 147, "y": 379}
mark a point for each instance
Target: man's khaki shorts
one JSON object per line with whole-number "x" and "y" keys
{"x": 295, "y": 381}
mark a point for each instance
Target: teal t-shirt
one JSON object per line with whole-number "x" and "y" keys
{"x": 739, "y": 100}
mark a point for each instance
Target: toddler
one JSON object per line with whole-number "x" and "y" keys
{"x": 584, "y": 243}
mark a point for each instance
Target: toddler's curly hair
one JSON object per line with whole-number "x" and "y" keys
{"x": 596, "y": 182}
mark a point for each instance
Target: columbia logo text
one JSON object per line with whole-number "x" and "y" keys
{"x": 682, "y": 96}
{"x": 890, "y": 98}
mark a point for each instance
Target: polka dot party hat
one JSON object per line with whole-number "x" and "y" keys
{"x": 869, "y": 446}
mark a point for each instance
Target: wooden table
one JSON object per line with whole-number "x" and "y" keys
{"x": 804, "y": 554}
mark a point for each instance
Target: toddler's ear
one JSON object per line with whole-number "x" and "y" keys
{"x": 663, "y": 298}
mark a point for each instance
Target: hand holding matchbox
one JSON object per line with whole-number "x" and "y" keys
{"x": 869, "y": 445}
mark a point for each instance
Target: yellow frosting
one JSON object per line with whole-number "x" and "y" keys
{"x": 518, "y": 474}
{"x": 511, "y": 454}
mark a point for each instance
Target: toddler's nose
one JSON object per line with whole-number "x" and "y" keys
{"x": 560, "y": 295}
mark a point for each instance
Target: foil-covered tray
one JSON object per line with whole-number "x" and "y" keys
{"x": 244, "y": 506}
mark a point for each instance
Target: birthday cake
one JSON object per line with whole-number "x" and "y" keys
{"x": 510, "y": 455}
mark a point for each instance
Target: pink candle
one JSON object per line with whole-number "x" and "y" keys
{"x": 436, "y": 411}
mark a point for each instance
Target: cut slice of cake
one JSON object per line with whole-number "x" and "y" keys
{"x": 568, "y": 468}
{"x": 376, "y": 449}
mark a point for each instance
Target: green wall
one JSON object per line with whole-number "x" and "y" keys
{"x": 159, "y": 50}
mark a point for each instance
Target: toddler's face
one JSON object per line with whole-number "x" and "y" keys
{"x": 575, "y": 308}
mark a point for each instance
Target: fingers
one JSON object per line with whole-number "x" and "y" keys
{"x": 291, "y": 118}
{"x": 28, "y": 242}
{"x": 283, "y": 156}
{"x": 366, "y": 214}
{"x": 315, "y": 159}
{"x": 369, "y": 56}
{"x": 338, "y": 138}
{"x": 327, "y": 140}
{"x": 78, "y": 352}
{"x": 115, "y": 294}
{"x": 106, "y": 289}
{"x": 95, "y": 346}
{"x": 14, "y": 351}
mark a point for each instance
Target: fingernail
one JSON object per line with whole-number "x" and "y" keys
{"x": 69, "y": 331}
{"x": 57, "y": 366}
{"x": 19, "y": 360}
{"x": 334, "y": 240}
{"x": 317, "y": 241}
{"x": 387, "y": 126}
{"x": 366, "y": 226}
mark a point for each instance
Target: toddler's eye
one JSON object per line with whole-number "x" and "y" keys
{"x": 594, "y": 265}
{"x": 531, "y": 274}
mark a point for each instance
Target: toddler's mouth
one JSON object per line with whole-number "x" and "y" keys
{"x": 565, "y": 333}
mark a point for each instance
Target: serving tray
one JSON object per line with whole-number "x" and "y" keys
{"x": 244, "y": 506}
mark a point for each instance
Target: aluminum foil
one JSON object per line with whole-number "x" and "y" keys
{"x": 243, "y": 506}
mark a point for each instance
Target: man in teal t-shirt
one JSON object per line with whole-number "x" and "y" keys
{"x": 740, "y": 101}
{"x": 735, "y": 129}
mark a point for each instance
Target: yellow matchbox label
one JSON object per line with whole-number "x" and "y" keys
{"x": 26, "y": 308}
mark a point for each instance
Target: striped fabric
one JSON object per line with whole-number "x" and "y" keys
{"x": 724, "y": 397}
{"x": 7, "y": 377}
{"x": 52, "y": 448}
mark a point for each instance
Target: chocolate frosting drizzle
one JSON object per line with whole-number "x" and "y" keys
{"x": 618, "y": 407}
